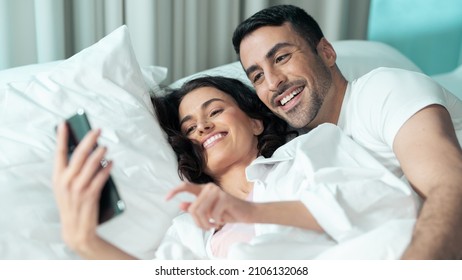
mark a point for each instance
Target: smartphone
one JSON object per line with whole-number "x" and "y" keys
{"x": 110, "y": 203}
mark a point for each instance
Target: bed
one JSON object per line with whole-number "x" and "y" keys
{"x": 109, "y": 83}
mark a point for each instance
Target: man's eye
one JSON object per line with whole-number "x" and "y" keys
{"x": 257, "y": 77}
{"x": 281, "y": 58}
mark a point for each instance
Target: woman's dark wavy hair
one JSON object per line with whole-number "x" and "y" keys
{"x": 302, "y": 23}
{"x": 191, "y": 162}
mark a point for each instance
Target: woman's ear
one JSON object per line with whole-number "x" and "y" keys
{"x": 257, "y": 126}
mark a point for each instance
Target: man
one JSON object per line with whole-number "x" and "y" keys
{"x": 402, "y": 118}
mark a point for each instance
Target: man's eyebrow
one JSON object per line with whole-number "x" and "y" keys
{"x": 268, "y": 55}
{"x": 203, "y": 106}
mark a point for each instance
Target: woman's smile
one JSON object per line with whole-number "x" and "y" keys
{"x": 213, "y": 139}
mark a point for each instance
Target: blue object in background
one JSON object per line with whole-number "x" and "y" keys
{"x": 429, "y": 32}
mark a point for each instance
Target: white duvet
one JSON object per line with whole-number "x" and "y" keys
{"x": 366, "y": 212}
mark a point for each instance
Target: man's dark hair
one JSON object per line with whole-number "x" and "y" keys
{"x": 302, "y": 23}
{"x": 191, "y": 162}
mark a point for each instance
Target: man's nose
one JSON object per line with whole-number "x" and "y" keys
{"x": 274, "y": 78}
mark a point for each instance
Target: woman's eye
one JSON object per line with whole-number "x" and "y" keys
{"x": 216, "y": 112}
{"x": 190, "y": 130}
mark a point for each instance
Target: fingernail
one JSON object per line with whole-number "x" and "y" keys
{"x": 104, "y": 163}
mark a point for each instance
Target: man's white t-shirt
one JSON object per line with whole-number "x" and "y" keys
{"x": 377, "y": 104}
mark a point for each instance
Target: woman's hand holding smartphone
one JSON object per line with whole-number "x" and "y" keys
{"x": 110, "y": 203}
{"x": 84, "y": 191}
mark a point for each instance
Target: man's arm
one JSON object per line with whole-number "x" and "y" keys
{"x": 431, "y": 158}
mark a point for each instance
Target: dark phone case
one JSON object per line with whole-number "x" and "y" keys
{"x": 110, "y": 204}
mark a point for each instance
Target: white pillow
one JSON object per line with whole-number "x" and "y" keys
{"x": 105, "y": 80}
{"x": 231, "y": 70}
{"x": 153, "y": 75}
{"x": 354, "y": 58}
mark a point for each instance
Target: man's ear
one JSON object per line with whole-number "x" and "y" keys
{"x": 326, "y": 52}
{"x": 257, "y": 126}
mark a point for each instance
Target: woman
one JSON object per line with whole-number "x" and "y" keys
{"x": 227, "y": 127}
{"x": 305, "y": 194}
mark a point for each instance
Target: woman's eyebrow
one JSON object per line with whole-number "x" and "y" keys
{"x": 203, "y": 107}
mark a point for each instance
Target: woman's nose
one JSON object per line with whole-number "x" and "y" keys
{"x": 204, "y": 126}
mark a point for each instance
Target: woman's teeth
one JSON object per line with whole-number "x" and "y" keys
{"x": 212, "y": 139}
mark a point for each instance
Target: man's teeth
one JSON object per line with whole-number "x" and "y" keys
{"x": 290, "y": 96}
{"x": 212, "y": 139}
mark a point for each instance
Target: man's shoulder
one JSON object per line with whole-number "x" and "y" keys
{"x": 386, "y": 73}
{"x": 379, "y": 83}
